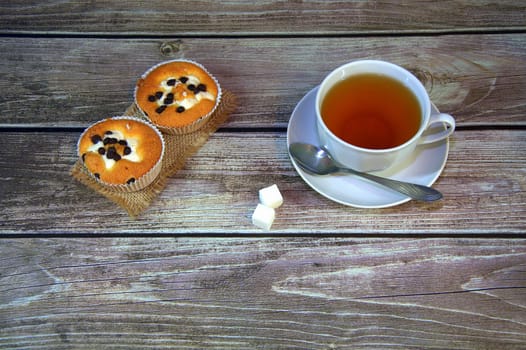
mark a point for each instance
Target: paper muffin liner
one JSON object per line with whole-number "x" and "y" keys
{"x": 184, "y": 129}
{"x": 141, "y": 182}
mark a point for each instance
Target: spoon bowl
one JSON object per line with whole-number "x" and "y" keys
{"x": 318, "y": 161}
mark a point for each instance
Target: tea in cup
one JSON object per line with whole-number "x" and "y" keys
{"x": 372, "y": 114}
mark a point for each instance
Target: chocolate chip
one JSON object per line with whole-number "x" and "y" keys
{"x": 160, "y": 109}
{"x": 171, "y": 82}
{"x": 151, "y": 98}
{"x": 110, "y": 141}
{"x": 96, "y": 139}
{"x": 191, "y": 87}
{"x": 127, "y": 150}
{"x": 112, "y": 154}
{"x": 108, "y": 132}
{"x": 97, "y": 175}
{"x": 183, "y": 80}
{"x": 169, "y": 99}
{"x": 123, "y": 142}
{"x": 201, "y": 87}
{"x": 131, "y": 180}
{"x": 102, "y": 151}
{"x": 180, "y": 109}
{"x": 158, "y": 95}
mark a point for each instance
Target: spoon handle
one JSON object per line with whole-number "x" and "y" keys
{"x": 415, "y": 191}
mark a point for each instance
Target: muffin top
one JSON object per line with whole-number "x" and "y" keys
{"x": 176, "y": 93}
{"x": 120, "y": 150}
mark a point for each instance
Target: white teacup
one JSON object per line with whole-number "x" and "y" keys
{"x": 373, "y": 159}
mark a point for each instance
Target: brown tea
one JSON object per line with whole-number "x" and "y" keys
{"x": 371, "y": 111}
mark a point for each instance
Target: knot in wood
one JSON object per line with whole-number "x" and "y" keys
{"x": 170, "y": 48}
{"x": 425, "y": 77}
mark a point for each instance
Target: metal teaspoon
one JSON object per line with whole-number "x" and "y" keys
{"x": 318, "y": 161}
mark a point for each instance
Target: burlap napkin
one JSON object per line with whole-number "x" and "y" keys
{"x": 178, "y": 149}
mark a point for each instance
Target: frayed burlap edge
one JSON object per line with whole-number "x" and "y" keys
{"x": 178, "y": 149}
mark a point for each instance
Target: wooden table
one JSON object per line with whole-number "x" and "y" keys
{"x": 192, "y": 271}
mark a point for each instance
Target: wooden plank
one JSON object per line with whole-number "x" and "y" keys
{"x": 483, "y": 185}
{"x": 192, "y": 18}
{"x": 74, "y": 82}
{"x": 241, "y": 293}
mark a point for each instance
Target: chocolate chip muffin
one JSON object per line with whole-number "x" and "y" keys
{"x": 177, "y": 96}
{"x": 123, "y": 153}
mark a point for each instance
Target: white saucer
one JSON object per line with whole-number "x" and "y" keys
{"x": 424, "y": 167}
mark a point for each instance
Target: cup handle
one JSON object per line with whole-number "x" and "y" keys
{"x": 437, "y": 121}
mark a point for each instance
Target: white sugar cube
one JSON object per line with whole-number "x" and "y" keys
{"x": 263, "y": 216}
{"x": 270, "y": 196}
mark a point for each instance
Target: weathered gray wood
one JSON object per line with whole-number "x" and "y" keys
{"x": 239, "y": 293}
{"x": 157, "y": 17}
{"x": 66, "y": 64}
{"x": 73, "y": 82}
{"x": 483, "y": 184}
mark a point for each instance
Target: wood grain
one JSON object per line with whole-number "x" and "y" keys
{"x": 226, "y": 18}
{"x": 193, "y": 272}
{"x": 74, "y": 82}
{"x": 483, "y": 184}
{"x": 239, "y": 293}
